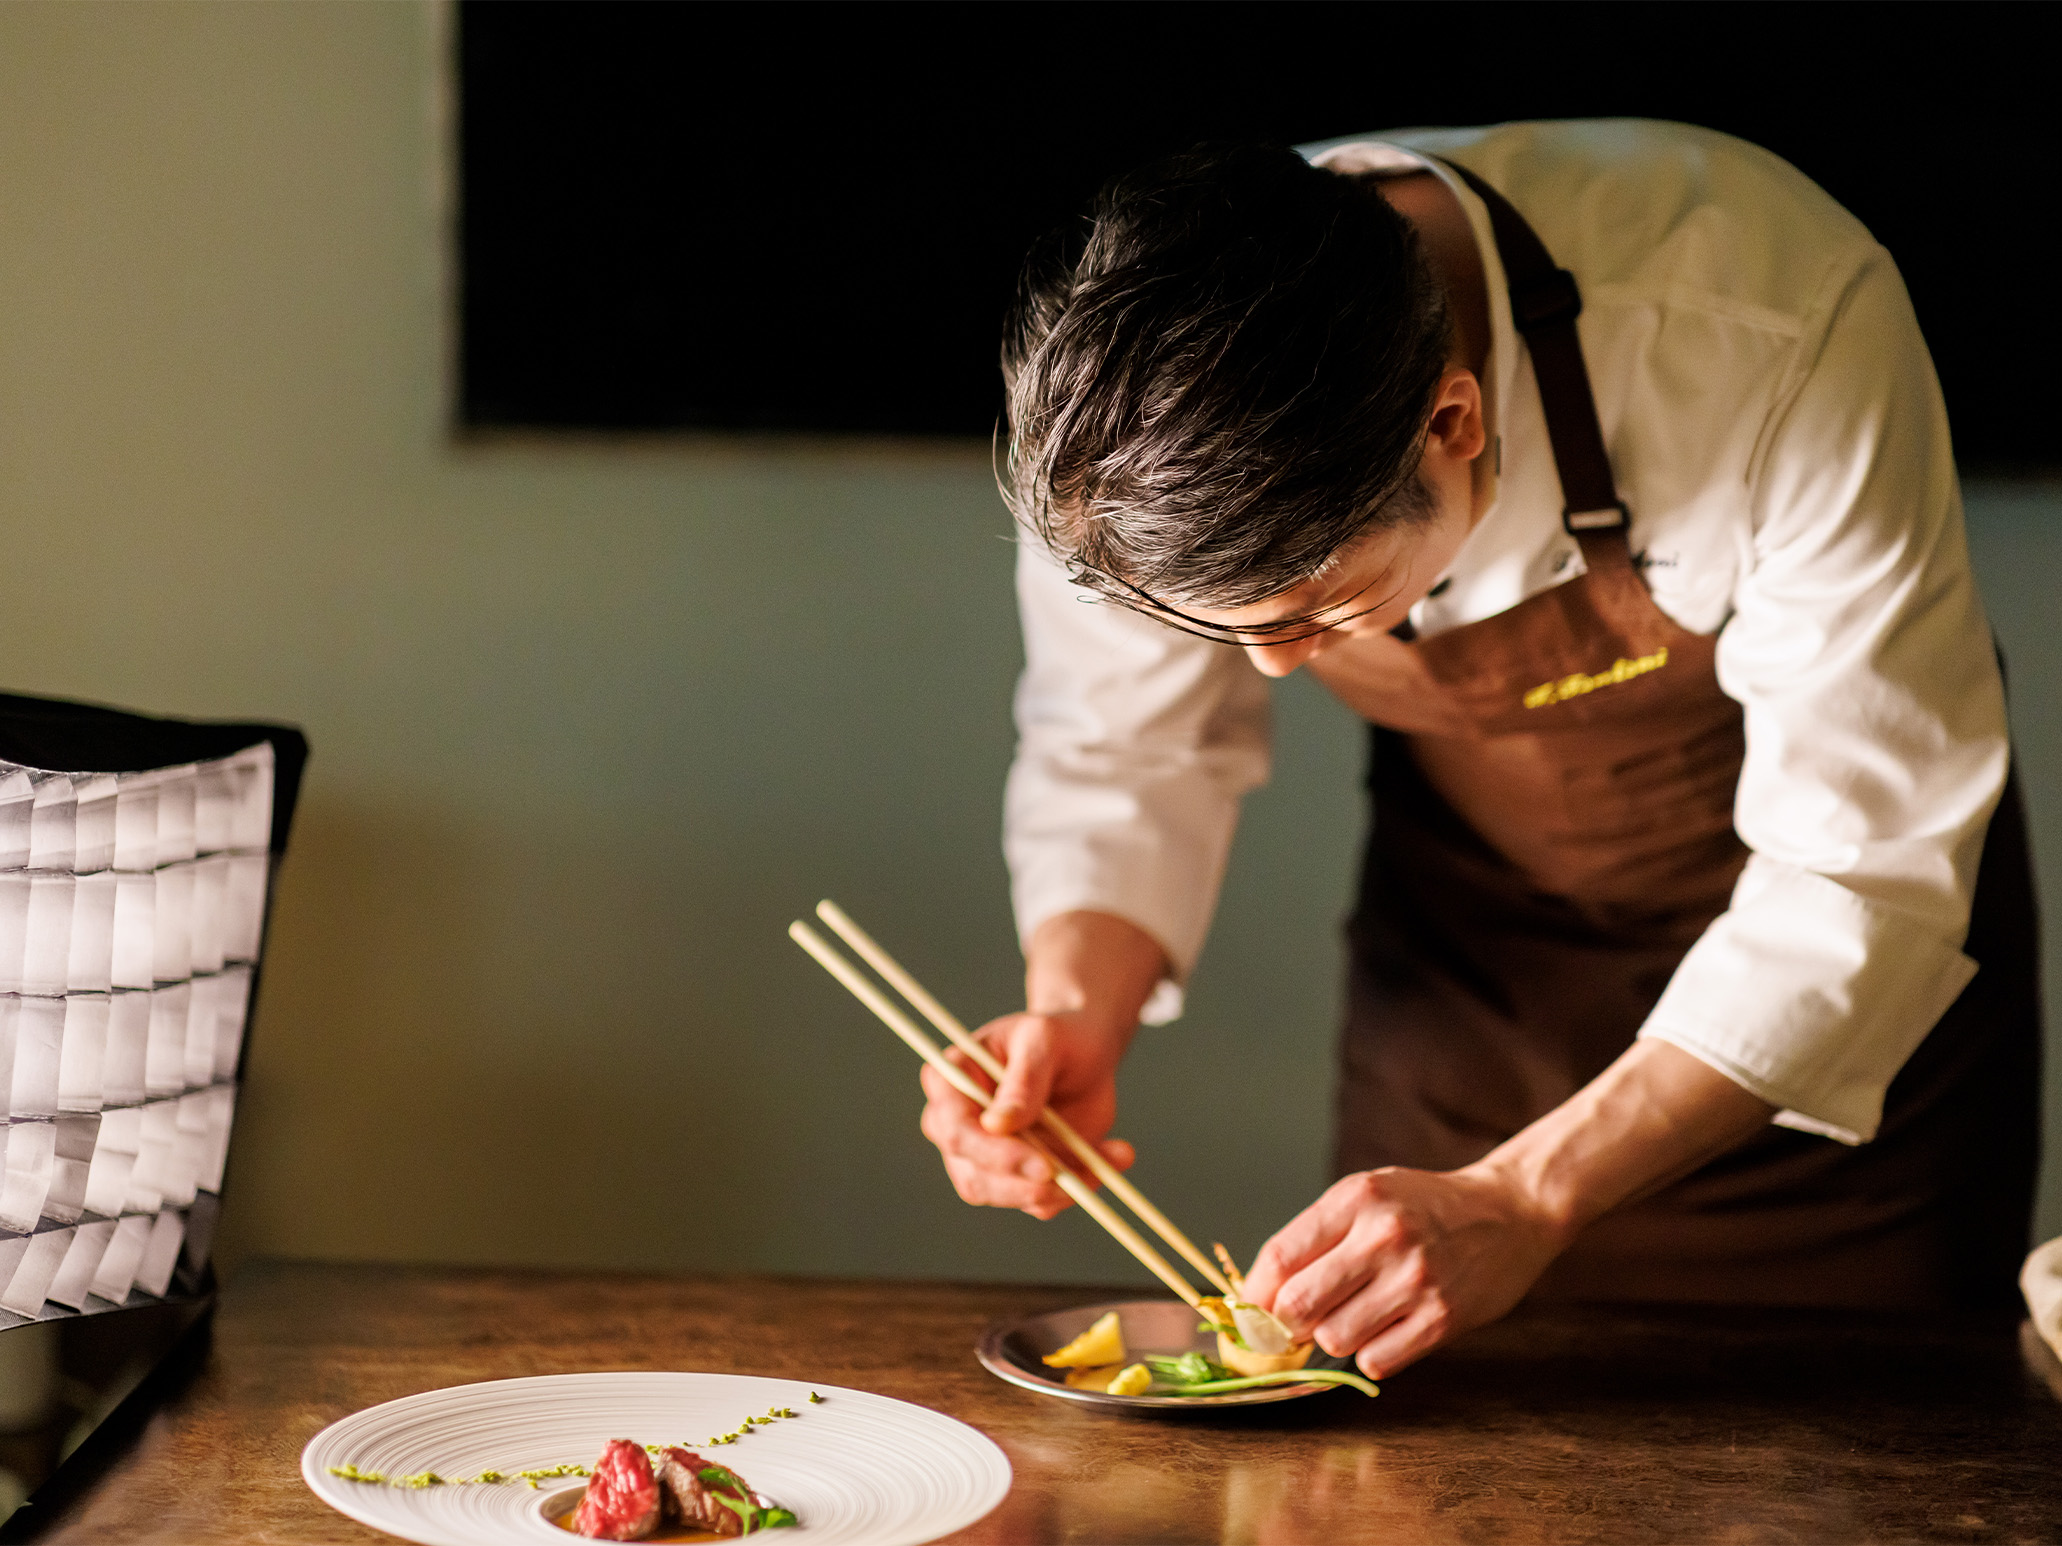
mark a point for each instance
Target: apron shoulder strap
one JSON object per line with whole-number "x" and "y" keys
{"x": 1544, "y": 304}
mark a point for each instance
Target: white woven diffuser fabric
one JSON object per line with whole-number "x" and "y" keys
{"x": 132, "y": 907}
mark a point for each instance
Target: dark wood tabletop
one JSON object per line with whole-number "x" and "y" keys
{"x": 1558, "y": 1424}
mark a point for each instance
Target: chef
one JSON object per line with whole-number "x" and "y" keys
{"x": 1601, "y": 469}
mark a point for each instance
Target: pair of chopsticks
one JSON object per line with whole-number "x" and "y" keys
{"x": 1055, "y": 1126}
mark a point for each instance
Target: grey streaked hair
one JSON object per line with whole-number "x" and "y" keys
{"x": 1221, "y": 379}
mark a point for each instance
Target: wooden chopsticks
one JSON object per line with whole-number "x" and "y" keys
{"x": 1090, "y": 1157}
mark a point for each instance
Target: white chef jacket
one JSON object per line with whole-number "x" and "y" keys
{"x": 1776, "y": 429}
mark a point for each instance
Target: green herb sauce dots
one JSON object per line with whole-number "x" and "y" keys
{"x": 422, "y": 1479}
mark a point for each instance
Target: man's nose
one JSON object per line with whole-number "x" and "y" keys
{"x": 1281, "y": 659}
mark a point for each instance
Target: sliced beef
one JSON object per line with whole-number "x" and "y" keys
{"x": 622, "y": 1498}
{"x": 688, "y": 1499}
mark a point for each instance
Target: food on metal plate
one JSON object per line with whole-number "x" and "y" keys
{"x": 1097, "y": 1377}
{"x": 1097, "y": 1359}
{"x": 1102, "y": 1344}
{"x": 1192, "y": 1374}
{"x": 1135, "y": 1380}
{"x": 1250, "y": 1340}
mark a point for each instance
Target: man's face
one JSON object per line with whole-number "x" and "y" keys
{"x": 1379, "y": 579}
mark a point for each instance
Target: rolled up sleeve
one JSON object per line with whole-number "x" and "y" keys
{"x": 1876, "y": 742}
{"x": 1135, "y": 744}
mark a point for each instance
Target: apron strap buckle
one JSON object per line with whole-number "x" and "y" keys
{"x": 1610, "y": 517}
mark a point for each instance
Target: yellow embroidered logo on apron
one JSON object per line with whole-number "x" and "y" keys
{"x": 1620, "y": 670}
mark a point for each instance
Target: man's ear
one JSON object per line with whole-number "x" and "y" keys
{"x": 1457, "y": 429}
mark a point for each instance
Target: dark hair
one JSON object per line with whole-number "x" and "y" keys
{"x": 1223, "y": 380}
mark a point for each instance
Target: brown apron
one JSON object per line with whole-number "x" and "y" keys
{"x": 1552, "y": 794}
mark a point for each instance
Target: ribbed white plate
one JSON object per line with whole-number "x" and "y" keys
{"x": 859, "y": 1468}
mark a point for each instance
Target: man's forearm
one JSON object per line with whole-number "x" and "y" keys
{"x": 1655, "y": 1114}
{"x": 1095, "y": 964}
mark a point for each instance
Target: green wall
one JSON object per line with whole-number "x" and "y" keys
{"x": 593, "y": 719}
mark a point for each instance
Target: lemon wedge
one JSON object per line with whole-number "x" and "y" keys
{"x": 1102, "y": 1343}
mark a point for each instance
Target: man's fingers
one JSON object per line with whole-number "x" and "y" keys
{"x": 987, "y": 1162}
{"x": 1404, "y": 1341}
{"x": 1000, "y": 1189}
{"x": 953, "y": 1127}
{"x": 941, "y": 1093}
{"x": 984, "y": 1168}
{"x": 1026, "y": 1052}
{"x": 1381, "y": 1292}
{"x": 1308, "y": 1236}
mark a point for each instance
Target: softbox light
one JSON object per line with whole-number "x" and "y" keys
{"x": 136, "y": 862}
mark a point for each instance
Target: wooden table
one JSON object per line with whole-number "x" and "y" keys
{"x": 1563, "y": 1424}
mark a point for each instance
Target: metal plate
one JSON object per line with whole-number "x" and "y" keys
{"x": 1165, "y": 1328}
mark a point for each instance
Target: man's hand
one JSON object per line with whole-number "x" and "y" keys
{"x": 1086, "y": 976}
{"x": 1063, "y": 1061}
{"x": 1390, "y": 1263}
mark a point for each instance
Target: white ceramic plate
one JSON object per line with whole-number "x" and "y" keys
{"x": 859, "y": 1468}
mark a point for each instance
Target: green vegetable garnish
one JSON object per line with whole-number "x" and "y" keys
{"x": 1284, "y": 1377}
{"x": 738, "y": 1499}
{"x": 1188, "y": 1369}
{"x": 815, "y": 1399}
{"x": 1192, "y": 1374}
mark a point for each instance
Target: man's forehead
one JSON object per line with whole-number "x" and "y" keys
{"x": 1361, "y": 565}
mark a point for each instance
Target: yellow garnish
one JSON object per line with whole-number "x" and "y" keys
{"x": 1134, "y": 1381}
{"x": 1102, "y": 1343}
{"x": 1096, "y": 1378}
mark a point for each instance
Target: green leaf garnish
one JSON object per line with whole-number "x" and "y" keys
{"x": 750, "y": 1516}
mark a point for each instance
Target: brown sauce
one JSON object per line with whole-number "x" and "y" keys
{"x": 565, "y": 1522}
